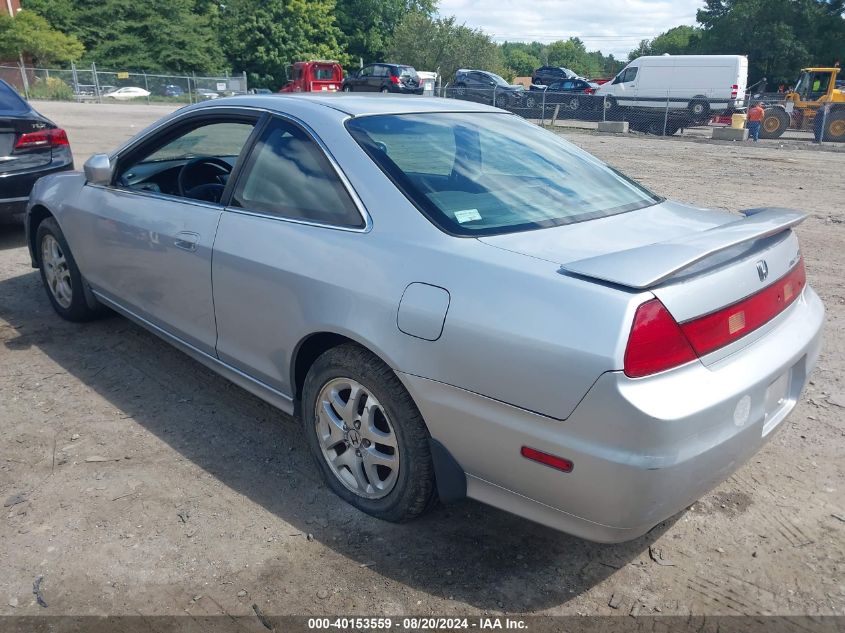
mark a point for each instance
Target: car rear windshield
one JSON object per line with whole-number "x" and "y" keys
{"x": 10, "y": 101}
{"x": 478, "y": 174}
{"x": 407, "y": 71}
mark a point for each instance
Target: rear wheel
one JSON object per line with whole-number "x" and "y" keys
{"x": 699, "y": 108}
{"x": 835, "y": 127}
{"x": 384, "y": 90}
{"x": 61, "y": 277}
{"x": 775, "y": 123}
{"x": 501, "y": 101}
{"x": 367, "y": 436}
{"x": 460, "y": 90}
{"x": 531, "y": 102}
{"x": 347, "y": 88}
{"x": 574, "y": 103}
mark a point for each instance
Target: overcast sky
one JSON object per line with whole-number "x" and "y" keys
{"x": 613, "y": 26}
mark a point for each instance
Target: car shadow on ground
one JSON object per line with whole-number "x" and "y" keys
{"x": 466, "y": 551}
{"x": 11, "y": 235}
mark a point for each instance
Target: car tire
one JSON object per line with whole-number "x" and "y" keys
{"x": 384, "y": 90}
{"x": 460, "y": 90}
{"x": 530, "y": 102}
{"x": 396, "y": 430}
{"x": 347, "y": 89}
{"x": 64, "y": 284}
{"x": 501, "y": 101}
{"x": 775, "y": 123}
{"x": 611, "y": 107}
{"x": 574, "y": 104}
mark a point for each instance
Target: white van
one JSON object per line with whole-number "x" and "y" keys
{"x": 699, "y": 83}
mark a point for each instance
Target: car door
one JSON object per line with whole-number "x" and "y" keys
{"x": 291, "y": 221}
{"x": 360, "y": 81}
{"x": 144, "y": 241}
{"x": 379, "y": 77}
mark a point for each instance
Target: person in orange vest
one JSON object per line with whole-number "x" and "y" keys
{"x": 755, "y": 120}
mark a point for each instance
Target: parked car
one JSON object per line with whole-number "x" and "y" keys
{"x": 482, "y": 86}
{"x": 325, "y": 75}
{"x": 384, "y": 78}
{"x": 172, "y": 90}
{"x": 31, "y": 146}
{"x": 546, "y": 75}
{"x": 594, "y": 358}
{"x": 560, "y": 93}
{"x": 204, "y": 94}
{"x": 127, "y": 93}
{"x": 260, "y": 91}
{"x": 701, "y": 84}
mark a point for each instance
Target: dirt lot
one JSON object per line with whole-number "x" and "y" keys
{"x": 136, "y": 481}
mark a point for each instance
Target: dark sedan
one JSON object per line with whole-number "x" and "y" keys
{"x": 396, "y": 78}
{"x": 31, "y": 146}
{"x": 482, "y": 86}
{"x": 564, "y": 93}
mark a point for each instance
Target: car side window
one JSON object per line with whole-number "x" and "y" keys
{"x": 288, "y": 175}
{"x": 380, "y": 71}
{"x": 366, "y": 71}
{"x": 190, "y": 160}
{"x": 567, "y": 85}
{"x": 630, "y": 75}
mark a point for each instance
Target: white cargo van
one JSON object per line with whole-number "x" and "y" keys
{"x": 699, "y": 83}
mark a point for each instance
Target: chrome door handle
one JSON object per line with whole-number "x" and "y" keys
{"x": 187, "y": 241}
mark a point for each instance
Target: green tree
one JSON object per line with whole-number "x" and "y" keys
{"x": 368, "y": 25}
{"x": 519, "y": 60}
{"x": 262, "y": 37}
{"x": 440, "y": 44}
{"x": 29, "y": 34}
{"x": 150, "y": 35}
{"x": 681, "y": 40}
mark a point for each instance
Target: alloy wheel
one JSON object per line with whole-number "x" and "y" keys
{"x": 56, "y": 271}
{"x": 356, "y": 438}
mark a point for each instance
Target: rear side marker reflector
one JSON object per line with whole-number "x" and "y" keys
{"x": 657, "y": 342}
{"x": 558, "y": 463}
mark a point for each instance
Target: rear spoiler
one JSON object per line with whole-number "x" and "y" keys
{"x": 647, "y": 266}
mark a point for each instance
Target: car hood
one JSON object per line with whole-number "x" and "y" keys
{"x": 572, "y": 242}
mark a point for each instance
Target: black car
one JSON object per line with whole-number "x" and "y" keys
{"x": 487, "y": 87}
{"x": 384, "y": 78}
{"x": 172, "y": 90}
{"x": 31, "y": 146}
{"x": 546, "y": 75}
{"x": 560, "y": 92}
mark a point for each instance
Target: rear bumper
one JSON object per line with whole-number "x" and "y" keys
{"x": 16, "y": 186}
{"x": 642, "y": 449}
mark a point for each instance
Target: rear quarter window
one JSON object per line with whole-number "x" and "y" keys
{"x": 10, "y": 100}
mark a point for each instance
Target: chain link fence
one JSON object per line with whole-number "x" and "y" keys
{"x": 664, "y": 115}
{"x": 89, "y": 83}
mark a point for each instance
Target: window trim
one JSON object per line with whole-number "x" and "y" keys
{"x": 335, "y": 166}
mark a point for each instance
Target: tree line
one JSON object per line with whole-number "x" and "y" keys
{"x": 262, "y": 37}
{"x": 779, "y": 36}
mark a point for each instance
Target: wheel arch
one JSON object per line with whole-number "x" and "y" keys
{"x": 448, "y": 474}
{"x": 36, "y": 215}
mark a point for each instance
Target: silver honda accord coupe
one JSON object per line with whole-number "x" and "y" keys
{"x": 453, "y": 301}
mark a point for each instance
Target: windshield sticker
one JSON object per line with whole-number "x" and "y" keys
{"x": 467, "y": 215}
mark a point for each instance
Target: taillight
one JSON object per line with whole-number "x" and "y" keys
{"x": 42, "y": 138}
{"x": 657, "y": 342}
{"x": 708, "y": 333}
{"x": 734, "y": 91}
{"x": 394, "y": 79}
{"x": 588, "y": 91}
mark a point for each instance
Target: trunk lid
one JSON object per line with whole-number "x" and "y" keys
{"x": 11, "y": 129}
{"x": 696, "y": 261}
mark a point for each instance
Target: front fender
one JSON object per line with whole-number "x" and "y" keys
{"x": 48, "y": 197}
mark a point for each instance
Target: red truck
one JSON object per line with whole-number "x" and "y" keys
{"x": 320, "y": 75}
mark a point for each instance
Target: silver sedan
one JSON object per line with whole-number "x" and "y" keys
{"x": 454, "y": 301}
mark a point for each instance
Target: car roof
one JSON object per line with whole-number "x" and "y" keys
{"x": 351, "y": 104}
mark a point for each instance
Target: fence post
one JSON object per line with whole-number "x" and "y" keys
{"x": 543, "y": 108}
{"x": 24, "y": 81}
{"x": 75, "y": 80}
{"x": 96, "y": 82}
{"x": 146, "y": 86}
{"x": 494, "y": 95}
{"x": 604, "y": 109}
{"x": 824, "y": 124}
{"x": 246, "y": 87}
{"x": 666, "y": 114}
{"x": 190, "y": 96}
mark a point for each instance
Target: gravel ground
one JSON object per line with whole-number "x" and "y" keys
{"x": 136, "y": 481}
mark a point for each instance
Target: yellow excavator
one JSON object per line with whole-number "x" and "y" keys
{"x": 801, "y": 105}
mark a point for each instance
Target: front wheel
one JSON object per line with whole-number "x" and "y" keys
{"x": 384, "y": 90}
{"x": 367, "y": 436}
{"x": 347, "y": 88}
{"x": 834, "y": 129}
{"x": 61, "y": 277}
{"x": 775, "y": 123}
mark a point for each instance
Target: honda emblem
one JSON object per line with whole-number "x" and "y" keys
{"x": 762, "y": 269}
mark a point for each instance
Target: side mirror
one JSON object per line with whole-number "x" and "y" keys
{"x": 98, "y": 169}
